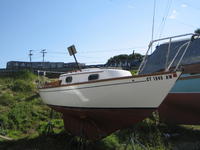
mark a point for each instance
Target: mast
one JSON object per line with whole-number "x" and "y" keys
{"x": 153, "y": 22}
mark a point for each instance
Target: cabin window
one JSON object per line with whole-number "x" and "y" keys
{"x": 68, "y": 79}
{"x": 93, "y": 77}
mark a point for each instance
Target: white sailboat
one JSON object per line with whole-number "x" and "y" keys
{"x": 96, "y": 102}
{"x": 109, "y": 88}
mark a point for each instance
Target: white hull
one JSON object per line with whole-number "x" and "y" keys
{"x": 132, "y": 92}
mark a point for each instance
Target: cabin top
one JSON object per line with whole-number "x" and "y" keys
{"x": 92, "y": 74}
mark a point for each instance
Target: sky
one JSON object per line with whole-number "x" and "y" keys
{"x": 99, "y": 29}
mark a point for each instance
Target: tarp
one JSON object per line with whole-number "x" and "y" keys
{"x": 157, "y": 60}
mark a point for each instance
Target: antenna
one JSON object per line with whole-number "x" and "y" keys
{"x": 30, "y": 55}
{"x": 72, "y": 51}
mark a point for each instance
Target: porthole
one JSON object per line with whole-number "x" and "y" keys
{"x": 68, "y": 79}
{"x": 93, "y": 77}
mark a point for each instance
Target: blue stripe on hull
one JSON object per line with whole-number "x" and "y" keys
{"x": 187, "y": 86}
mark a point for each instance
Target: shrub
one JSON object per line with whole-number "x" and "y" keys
{"x": 109, "y": 143}
{"x": 24, "y": 75}
{"x": 22, "y": 86}
{"x": 6, "y": 99}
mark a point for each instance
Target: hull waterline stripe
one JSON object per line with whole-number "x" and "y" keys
{"x": 184, "y": 92}
{"x": 96, "y": 86}
{"x": 104, "y": 108}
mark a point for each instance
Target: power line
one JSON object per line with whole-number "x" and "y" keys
{"x": 101, "y": 51}
{"x": 81, "y": 55}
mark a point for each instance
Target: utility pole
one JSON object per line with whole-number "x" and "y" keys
{"x": 43, "y": 54}
{"x": 30, "y": 55}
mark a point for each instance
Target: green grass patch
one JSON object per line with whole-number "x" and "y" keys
{"x": 25, "y": 118}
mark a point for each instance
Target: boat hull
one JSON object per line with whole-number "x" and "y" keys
{"x": 140, "y": 92}
{"x": 181, "y": 108}
{"x": 95, "y": 124}
{"x": 99, "y": 108}
{"x": 182, "y": 105}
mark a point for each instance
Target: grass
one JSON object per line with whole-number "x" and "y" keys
{"x": 159, "y": 137}
{"x": 25, "y": 118}
{"x": 21, "y": 109}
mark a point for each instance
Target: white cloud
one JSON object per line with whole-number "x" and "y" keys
{"x": 183, "y": 5}
{"x": 173, "y": 15}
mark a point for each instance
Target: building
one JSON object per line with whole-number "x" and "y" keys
{"x": 50, "y": 66}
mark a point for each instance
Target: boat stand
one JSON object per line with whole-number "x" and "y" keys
{"x": 82, "y": 142}
{"x": 2, "y": 129}
{"x": 132, "y": 141}
{"x": 82, "y": 145}
{"x": 49, "y": 127}
{"x": 78, "y": 143}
